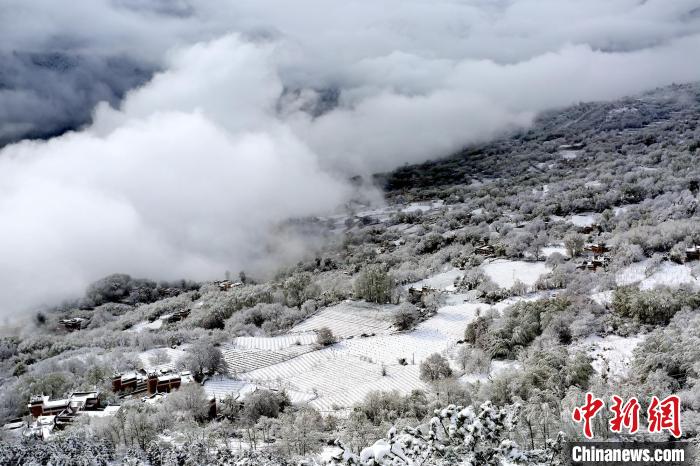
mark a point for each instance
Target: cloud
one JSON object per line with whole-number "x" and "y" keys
{"x": 190, "y": 178}
{"x": 222, "y": 119}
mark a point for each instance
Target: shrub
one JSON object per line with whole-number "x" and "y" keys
{"x": 435, "y": 367}
{"x": 406, "y": 317}
{"x": 325, "y": 337}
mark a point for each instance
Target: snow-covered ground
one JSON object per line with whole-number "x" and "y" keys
{"x": 221, "y": 386}
{"x": 145, "y": 325}
{"x": 603, "y": 297}
{"x": 442, "y": 281}
{"x": 350, "y": 318}
{"x": 667, "y": 273}
{"x": 569, "y": 154}
{"x": 275, "y": 343}
{"x": 584, "y": 220}
{"x": 505, "y": 272}
{"x": 423, "y": 206}
{"x": 174, "y": 355}
{"x": 343, "y": 374}
{"x": 611, "y": 354}
{"x": 549, "y": 250}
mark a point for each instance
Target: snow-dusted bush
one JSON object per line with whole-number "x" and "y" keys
{"x": 455, "y": 435}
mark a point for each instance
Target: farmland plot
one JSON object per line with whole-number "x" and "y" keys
{"x": 342, "y": 375}
{"x": 350, "y": 319}
{"x": 248, "y": 359}
{"x": 505, "y": 272}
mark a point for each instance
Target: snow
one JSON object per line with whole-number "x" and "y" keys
{"x": 422, "y": 206}
{"x": 505, "y": 272}
{"x": 569, "y": 154}
{"x": 504, "y": 366}
{"x": 343, "y": 374}
{"x": 275, "y": 343}
{"x": 442, "y": 281}
{"x": 350, "y": 318}
{"x": 611, "y": 354}
{"x": 584, "y": 220}
{"x": 175, "y": 356}
{"x": 549, "y": 250}
{"x": 247, "y": 359}
{"x": 496, "y": 368}
{"x": 603, "y": 297}
{"x": 145, "y": 325}
{"x": 222, "y": 386}
{"x": 667, "y": 273}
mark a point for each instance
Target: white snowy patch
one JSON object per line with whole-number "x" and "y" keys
{"x": 350, "y": 318}
{"x": 584, "y": 220}
{"x": 443, "y": 281}
{"x": 274, "y": 343}
{"x": 222, "y": 386}
{"x": 174, "y": 354}
{"x": 145, "y": 325}
{"x": 602, "y": 297}
{"x": 505, "y": 272}
{"x": 504, "y": 366}
{"x": 667, "y": 273}
{"x": 569, "y": 154}
{"x": 423, "y": 206}
{"x": 549, "y": 250}
{"x": 611, "y": 354}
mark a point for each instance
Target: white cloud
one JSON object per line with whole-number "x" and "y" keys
{"x": 191, "y": 174}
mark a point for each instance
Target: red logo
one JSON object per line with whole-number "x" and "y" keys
{"x": 588, "y": 412}
{"x": 665, "y": 415}
{"x": 662, "y": 415}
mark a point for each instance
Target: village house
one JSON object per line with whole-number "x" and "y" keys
{"x": 56, "y": 414}
{"x": 692, "y": 253}
{"x": 485, "y": 250}
{"x": 225, "y": 285}
{"x": 596, "y": 248}
{"x": 133, "y": 382}
{"x": 136, "y": 383}
{"x": 76, "y": 323}
{"x": 594, "y": 263}
{"x": 41, "y": 405}
{"x": 178, "y": 316}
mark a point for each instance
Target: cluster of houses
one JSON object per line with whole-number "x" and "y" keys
{"x": 597, "y": 257}
{"x": 50, "y": 415}
{"x": 225, "y": 285}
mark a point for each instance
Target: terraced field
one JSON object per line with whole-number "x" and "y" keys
{"x": 240, "y": 360}
{"x": 350, "y": 319}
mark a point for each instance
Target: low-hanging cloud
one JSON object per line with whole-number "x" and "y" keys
{"x": 232, "y": 131}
